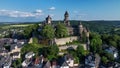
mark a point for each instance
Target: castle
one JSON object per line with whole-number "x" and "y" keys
{"x": 74, "y": 31}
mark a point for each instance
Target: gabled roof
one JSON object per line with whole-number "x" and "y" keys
{"x": 47, "y": 65}
{"x": 64, "y": 64}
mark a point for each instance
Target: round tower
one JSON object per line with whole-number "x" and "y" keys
{"x": 87, "y": 33}
{"x": 80, "y": 29}
{"x": 48, "y": 20}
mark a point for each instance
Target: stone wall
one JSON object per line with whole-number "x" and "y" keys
{"x": 71, "y": 47}
{"x": 63, "y": 41}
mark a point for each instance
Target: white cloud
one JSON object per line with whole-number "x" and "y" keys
{"x": 39, "y": 11}
{"x": 14, "y": 13}
{"x": 75, "y": 11}
{"x": 52, "y": 8}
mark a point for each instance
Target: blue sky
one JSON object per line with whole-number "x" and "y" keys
{"x": 37, "y": 10}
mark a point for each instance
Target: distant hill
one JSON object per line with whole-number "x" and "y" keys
{"x": 99, "y": 26}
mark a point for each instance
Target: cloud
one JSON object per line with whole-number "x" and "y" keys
{"x": 39, "y": 11}
{"x": 14, "y": 13}
{"x": 52, "y": 8}
{"x": 75, "y": 11}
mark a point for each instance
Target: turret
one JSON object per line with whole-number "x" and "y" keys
{"x": 48, "y": 20}
{"x": 87, "y": 33}
{"x": 80, "y": 29}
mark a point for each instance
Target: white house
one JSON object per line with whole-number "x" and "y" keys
{"x": 29, "y": 55}
{"x": 69, "y": 59}
{"x": 92, "y": 61}
{"x": 7, "y": 62}
{"x": 26, "y": 62}
{"x": 64, "y": 65}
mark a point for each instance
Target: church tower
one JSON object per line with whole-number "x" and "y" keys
{"x": 48, "y": 20}
{"x": 66, "y": 19}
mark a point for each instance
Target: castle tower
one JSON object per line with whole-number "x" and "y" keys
{"x": 87, "y": 33}
{"x": 88, "y": 41}
{"x": 48, "y": 20}
{"x": 81, "y": 29}
{"x": 66, "y": 19}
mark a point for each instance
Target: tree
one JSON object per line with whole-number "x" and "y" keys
{"x": 109, "y": 56}
{"x": 35, "y": 26}
{"x": 113, "y": 43}
{"x": 53, "y": 49}
{"x": 80, "y": 52}
{"x": 14, "y": 64}
{"x": 105, "y": 38}
{"x": 44, "y": 51}
{"x": 35, "y": 40}
{"x": 28, "y": 32}
{"x": 84, "y": 37}
{"x": 29, "y": 29}
{"x": 61, "y": 30}
{"x": 104, "y": 60}
{"x": 48, "y": 32}
{"x": 96, "y": 44}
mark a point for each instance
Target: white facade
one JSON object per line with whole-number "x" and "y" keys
{"x": 64, "y": 67}
{"x": 29, "y": 55}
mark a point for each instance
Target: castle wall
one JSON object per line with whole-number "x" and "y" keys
{"x": 63, "y": 41}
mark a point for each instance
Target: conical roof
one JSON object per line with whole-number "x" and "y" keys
{"x": 66, "y": 13}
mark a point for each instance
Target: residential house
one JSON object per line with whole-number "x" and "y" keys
{"x": 29, "y": 55}
{"x": 28, "y": 59}
{"x": 16, "y": 55}
{"x": 15, "y": 50}
{"x": 64, "y": 65}
{"x": 46, "y": 64}
{"x": 69, "y": 60}
{"x": 3, "y": 51}
{"x": 112, "y": 50}
{"x": 92, "y": 61}
{"x": 66, "y": 62}
{"x": 26, "y": 62}
{"x": 6, "y": 61}
{"x": 39, "y": 61}
{"x": 54, "y": 64}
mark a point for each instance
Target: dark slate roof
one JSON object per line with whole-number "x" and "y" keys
{"x": 48, "y": 17}
{"x": 62, "y": 62}
{"x": 13, "y": 46}
{"x": 69, "y": 56}
{"x": 66, "y": 13}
